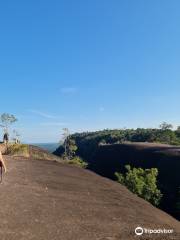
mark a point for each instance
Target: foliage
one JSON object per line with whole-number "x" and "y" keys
{"x": 141, "y": 182}
{"x": 87, "y": 143}
{"x": 7, "y": 119}
{"x": 16, "y": 136}
{"x": 78, "y": 161}
{"x": 166, "y": 126}
{"x": 71, "y": 147}
{"x": 65, "y": 136}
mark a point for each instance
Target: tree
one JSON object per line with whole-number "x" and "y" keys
{"x": 166, "y": 126}
{"x": 178, "y": 132}
{"x": 166, "y": 134}
{"x": 65, "y": 137}
{"x": 71, "y": 147}
{"x": 16, "y": 136}
{"x": 6, "y": 120}
{"x": 141, "y": 182}
{"x": 178, "y": 128}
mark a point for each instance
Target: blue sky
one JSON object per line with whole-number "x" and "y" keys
{"x": 89, "y": 65}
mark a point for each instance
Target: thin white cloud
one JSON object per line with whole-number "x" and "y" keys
{"x": 42, "y": 114}
{"x": 54, "y": 124}
{"x": 68, "y": 90}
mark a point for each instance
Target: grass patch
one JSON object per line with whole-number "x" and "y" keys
{"x": 41, "y": 155}
{"x": 21, "y": 150}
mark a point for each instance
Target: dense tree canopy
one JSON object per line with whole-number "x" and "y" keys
{"x": 88, "y": 142}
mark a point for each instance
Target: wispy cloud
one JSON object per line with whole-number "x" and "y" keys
{"x": 54, "y": 124}
{"x": 42, "y": 114}
{"x": 68, "y": 90}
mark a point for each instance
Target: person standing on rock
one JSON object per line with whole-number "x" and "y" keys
{"x": 6, "y": 138}
{"x": 2, "y": 164}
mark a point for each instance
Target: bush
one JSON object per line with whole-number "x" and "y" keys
{"x": 141, "y": 182}
{"x": 78, "y": 161}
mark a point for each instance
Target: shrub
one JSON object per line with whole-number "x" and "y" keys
{"x": 78, "y": 161}
{"x": 141, "y": 182}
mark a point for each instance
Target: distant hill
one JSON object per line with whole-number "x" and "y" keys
{"x": 50, "y": 200}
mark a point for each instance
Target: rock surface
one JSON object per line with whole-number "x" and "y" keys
{"x": 45, "y": 200}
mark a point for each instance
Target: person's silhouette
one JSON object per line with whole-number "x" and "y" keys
{"x": 6, "y": 138}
